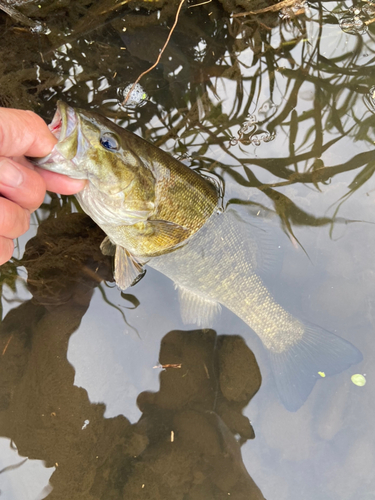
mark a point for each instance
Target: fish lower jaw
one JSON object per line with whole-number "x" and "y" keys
{"x": 56, "y": 162}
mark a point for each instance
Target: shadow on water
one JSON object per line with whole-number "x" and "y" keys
{"x": 279, "y": 103}
{"x": 186, "y": 443}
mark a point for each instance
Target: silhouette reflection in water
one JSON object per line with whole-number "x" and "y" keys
{"x": 186, "y": 443}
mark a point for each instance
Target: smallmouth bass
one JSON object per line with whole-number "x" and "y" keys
{"x": 158, "y": 212}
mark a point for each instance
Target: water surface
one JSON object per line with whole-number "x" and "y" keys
{"x": 108, "y": 394}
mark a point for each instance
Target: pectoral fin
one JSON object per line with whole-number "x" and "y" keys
{"x": 197, "y": 309}
{"x": 163, "y": 234}
{"x": 128, "y": 271}
{"x": 107, "y": 247}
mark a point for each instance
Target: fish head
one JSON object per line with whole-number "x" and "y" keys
{"x": 92, "y": 147}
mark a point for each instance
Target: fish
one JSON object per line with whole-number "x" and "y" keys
{"x": 158, "y": 212}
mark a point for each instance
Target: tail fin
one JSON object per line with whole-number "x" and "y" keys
{"x": 318, "y": 353}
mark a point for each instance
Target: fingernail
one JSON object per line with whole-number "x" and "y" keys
{"x": 9, "y": 174}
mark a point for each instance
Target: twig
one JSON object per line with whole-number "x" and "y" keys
{"x": 159, "y": 57}
{"x": 198, "y": 4}
{"x": 36, "y": 26}
{"x": 272, "y": 8}
{"x": 18, "y": 16}
{"x": 14, "y": 466}
{"x": 6, "y": 345}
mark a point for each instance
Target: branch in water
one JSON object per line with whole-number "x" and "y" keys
{"x": 159, "y": 57}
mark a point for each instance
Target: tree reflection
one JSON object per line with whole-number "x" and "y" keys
{"x": 188, "y": 440}
{"x": 95, "y": 50}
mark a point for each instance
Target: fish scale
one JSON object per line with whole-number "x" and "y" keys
{"x": 227, "y": 274}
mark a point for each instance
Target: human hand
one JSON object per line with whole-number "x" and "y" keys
{"x": 22, "y": 185}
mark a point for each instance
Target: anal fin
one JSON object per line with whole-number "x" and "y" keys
{"x": 196, "y": 309}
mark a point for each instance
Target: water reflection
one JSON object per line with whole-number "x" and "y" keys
{"x": 187, "y": 441}
{"x": 356, "y": 19}
{"x": 316, "y": 174}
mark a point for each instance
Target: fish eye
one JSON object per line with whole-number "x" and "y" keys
{"x": 110, "y": 142}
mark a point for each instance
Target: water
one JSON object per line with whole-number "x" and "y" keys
{"x": 281, "y": 106}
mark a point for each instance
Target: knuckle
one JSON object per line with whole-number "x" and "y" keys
{"x": 37, "y": 189}
{"x": 30, "y": 194}
{"x": 14, "y": 220}
{"x": 6, "y": 249}
{"x": 25, "y": 222}
{"x": 2, "y": 135}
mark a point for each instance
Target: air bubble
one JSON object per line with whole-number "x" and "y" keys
{"x": 134, "y": 95}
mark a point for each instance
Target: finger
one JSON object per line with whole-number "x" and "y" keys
{"x": 24, "y": 133}
{"x": 6, "y": 249}
{"x": 14, "y": 220}
{"x": 58, "y": 183}
{"x": 21, "y": 185}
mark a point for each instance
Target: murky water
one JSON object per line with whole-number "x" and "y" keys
{"x": 109, "y": 395}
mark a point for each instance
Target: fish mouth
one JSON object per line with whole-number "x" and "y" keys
{"x": 65, "y": 127}
{"x": 63, "y": 157}
{"x": 64, "y": 122}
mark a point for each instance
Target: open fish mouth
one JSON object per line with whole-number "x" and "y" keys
{"x": 64, "y": 121}
{"x": 65, "y": 126}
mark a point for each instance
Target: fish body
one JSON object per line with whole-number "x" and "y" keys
{"x": 219, "y": 265}
{"x": 159, "y": 212}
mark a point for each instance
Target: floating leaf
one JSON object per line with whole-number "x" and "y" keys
{"x": 358, "y": 379}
